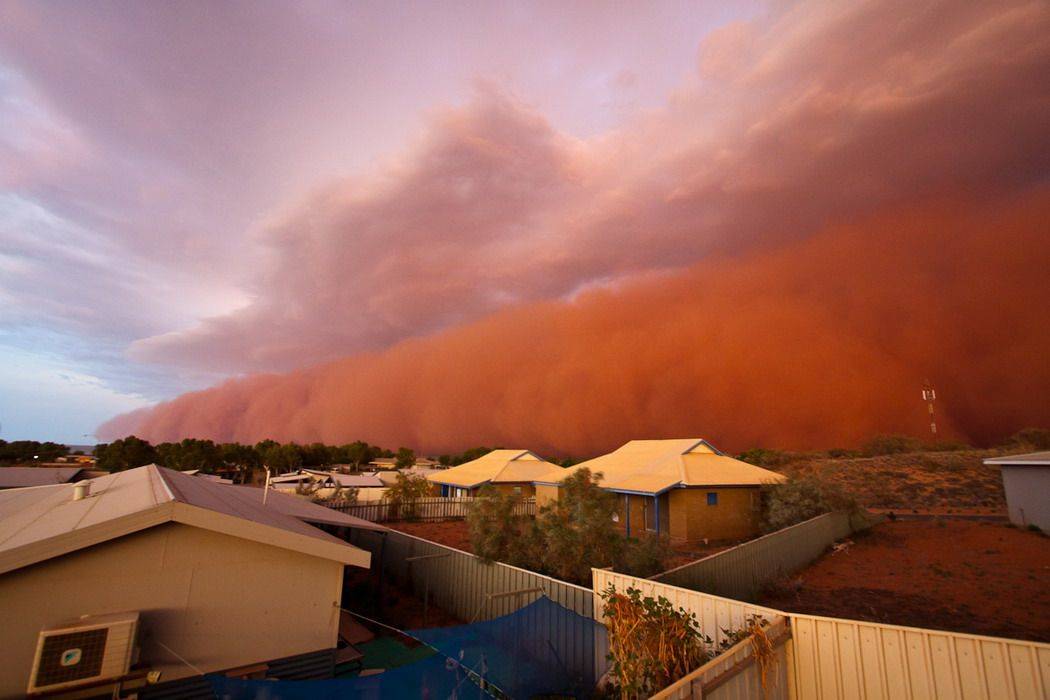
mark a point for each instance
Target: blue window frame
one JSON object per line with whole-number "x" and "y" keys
{"x": 712, "y": 499}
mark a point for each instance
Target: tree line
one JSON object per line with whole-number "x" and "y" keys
{"x": 31, "y": 450}
{"x": 249, "y": 461}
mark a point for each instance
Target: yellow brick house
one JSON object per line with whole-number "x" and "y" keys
{"x": 507, "y": 470}
{"x": 685, "y": 488}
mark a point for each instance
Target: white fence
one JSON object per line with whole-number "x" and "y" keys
{"x": 833, "y": 659}
{"x": 850, "y": 659}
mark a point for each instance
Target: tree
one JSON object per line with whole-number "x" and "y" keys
{"x": 203, "y": 455}
{"x": 360, "y": 453}
{"x": 578, "y": 529}
{"x": 405, "y": 458}
{"x": 31, "y": 450}
{"x": 567, "y": 538}
{"x": 281, "y": 459}
{"x": 497, "y": 534}
{"x": 244, "y": 458}
{"x": 126, "y": 453}
{"x": 405, "y": 492}
{"x": 801, "y": 498}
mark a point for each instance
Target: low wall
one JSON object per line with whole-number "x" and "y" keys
{"x": 742, "y": 571}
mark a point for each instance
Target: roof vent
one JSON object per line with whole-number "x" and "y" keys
{"x": 81, "y": 490}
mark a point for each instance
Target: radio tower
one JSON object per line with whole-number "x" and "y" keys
{"x": 929, "y": 396}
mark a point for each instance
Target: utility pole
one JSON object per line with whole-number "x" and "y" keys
{"x": 929, "y": 395}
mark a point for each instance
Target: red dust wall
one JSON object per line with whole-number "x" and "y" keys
{"x": 820, "y": 342}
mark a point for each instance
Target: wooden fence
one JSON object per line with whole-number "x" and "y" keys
{"x": 436, "y": 508}
{"x": 742, "y": 571}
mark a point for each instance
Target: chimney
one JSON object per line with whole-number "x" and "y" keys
{"x": 81, "y": 490}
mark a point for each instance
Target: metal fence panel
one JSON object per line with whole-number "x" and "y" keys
{"x": 835, "y": 658}
{"x": 742, "y": 571}
{"x": 716, "y": 615}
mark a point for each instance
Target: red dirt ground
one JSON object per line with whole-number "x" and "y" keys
{"x": 962, "y": 576}
{"x": 451, "y": 533}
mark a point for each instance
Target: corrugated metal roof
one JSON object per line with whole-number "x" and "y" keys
{"x": 22, "y": 477}
{"x": 654, "y": 466}
{"x": 1031, "y": 459}
{"x": 497, "y": 467}
{"x": 43, "y": 522}
{"x": 361, "y": 481}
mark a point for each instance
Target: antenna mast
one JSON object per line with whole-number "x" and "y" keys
{"x": 929, "y": 395}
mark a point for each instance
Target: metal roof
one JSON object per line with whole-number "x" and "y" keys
{"x": 654, "y": 466}
{"x": 40, "y": 523}
{"x": 1031, "y": 459}
{"x": 497, "y": 467}
{"x": 21, "y": 477}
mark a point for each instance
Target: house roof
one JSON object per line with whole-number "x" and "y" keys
{"x": 497, "y": 467}
{"x": 40, "y": 523}
{"x": 654, "y": 466}
{"x": 21, "y": 477}
{"x": 1031, "y": 459}
{"x": 363, "y": 481}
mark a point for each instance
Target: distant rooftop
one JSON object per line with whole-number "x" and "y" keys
{"x": 40, "y": 523}
{"x": 1031, "y": 459}
{"x": 21, "y": 477}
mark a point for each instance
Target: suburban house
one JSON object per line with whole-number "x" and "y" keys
{"x": 511, "y": 471}
{"x": 328, "y": 482}
{"x": 381, "y": 463}
{"x": 22, "y": 477}
{"x": 684, "y": 488}
{"x": 195, "y": 575}
{"x": 1026, "y": 482}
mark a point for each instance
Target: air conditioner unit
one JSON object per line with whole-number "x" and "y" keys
{"x": 90, "y": 650}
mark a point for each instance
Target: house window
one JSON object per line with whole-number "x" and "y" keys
{"x": 712, "y": 499}
{"x": 517, "y": 491}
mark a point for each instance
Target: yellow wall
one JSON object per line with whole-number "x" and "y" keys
{"x": 545, "y": 495}
{"x": 218, "y": 601}
{"x": 735, "y": 517}
{"x": 643, "y": 513}
{"x": 527, "y": 490}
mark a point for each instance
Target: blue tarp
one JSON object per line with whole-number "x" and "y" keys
{"x": 541, "y": 649}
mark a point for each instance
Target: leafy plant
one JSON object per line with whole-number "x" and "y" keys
{"x": 801, "y": 498}
{"x": 404, "y": 494}
{"x": 890, "y": 445}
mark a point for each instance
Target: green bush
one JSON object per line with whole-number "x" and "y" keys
{"x": 890, "y": 445}
{"x": 762, "y": 457}
{"x": 1037, "y": 438}
{"x": 800, "y": 499}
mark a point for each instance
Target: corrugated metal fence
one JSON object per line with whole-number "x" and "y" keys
{"x": 436, "y": 508}
{"x": 833, "y": 659}
{"x": 851, "y": 659}
{"x": 740, "y": 572}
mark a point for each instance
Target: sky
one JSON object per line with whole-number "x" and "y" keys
{"x": 442, "y": 224}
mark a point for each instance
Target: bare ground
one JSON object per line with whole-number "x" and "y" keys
{"x": 961, "y": 576}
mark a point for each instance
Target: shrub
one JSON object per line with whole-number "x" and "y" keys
{"x": 405, "y": 492}
{"x": 567, "y": 538}
{"x": 651, "y": 643}
{"x": 800, "y": 499}
{"x": 496, "y": 533}
{"x": 762, "y": 457}
{"x": 645, "y": 556}
{"x": 1038, "y": 438}
{"x": 890, "y": 445}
